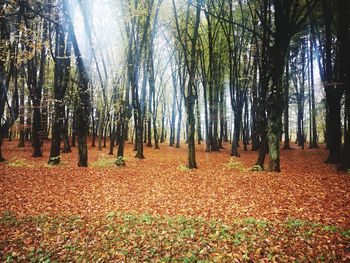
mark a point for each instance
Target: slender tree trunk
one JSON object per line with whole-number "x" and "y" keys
{"x": 83, "y": 108}
{"x": 59, "y": 90}
{"x": 21, "y": 142}
{"x": 37, "y": 87}
{"x": 173, "y": 113}
{"x": 222, "y": 116}
{"x": 314, "y": 143}
{"x": 101, "y": 126}
{"x": 206, "y": 115}
{"x": 246, "y": 125}
{"x": 2, "y": 159}
{"x": 254, "y": 110}
{"x": 27, "y": 130}
{"x": 235, "y": 136}
{"x": 178, "y": 134}
{"x": 65, "y": 135}
{"x": 74, "y": 127}
{"x": 162, "y": 131}
{"x": 56, "y": 133}
{"x": 36, "y": 129}
{"x": 286, "y": 109}
{"x": 93, "y": 144}
{"x": 199, "y": 130}
{"x": 191, "y": 122}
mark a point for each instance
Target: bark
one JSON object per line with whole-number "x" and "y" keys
{"x": 5, "y": 77}
{"x": 286, "y": 109}
{"x": 173, "y": 112}
{"x": 179, "y": 120}
{"x": 93, "y": 122}
{"x": 222, "y": 115}
{"x": 60, "y": 84}
{"x": 36, "y": 88}
{"x": 205, "y": 98}
{"x": 333, "y": 93}
{"x": 254, "y": 111}
{"x": 284, "y": 16}
{"x": 162, "y": 130}
{"x": 313, "y": 143}
{"x": 275, "y": 101}
{"x": 83, "y": 108}
{"x": 344, "y": 76}
{"x": 199, "y": 130}
{"x": 74, "y": 127}
{"x": 236, "y": 132}
{"x": 263, "y": 71}
{"x": 27, "y": 130}
{"x": 149, "y": 120}
{"x": 101, "y": 126}
{"x": 65, "y": 135}
{"x": 191, "y": 122}
{"x": 21, "y": 142}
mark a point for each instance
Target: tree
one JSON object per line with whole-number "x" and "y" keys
{"x": 189, "y": 49}
{"x": 7, "y": 58}
{"x": 343, "y": 27}
{"x": 61, "y": 80}
{"x": 289, "y": 17}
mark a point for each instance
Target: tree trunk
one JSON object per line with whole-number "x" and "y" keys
{"x": 61, "y": 78}
{"x": 36, "y": 129}
{"x": 83, "y": 108}
{"x": 178, "y": 134}
{"x": 162, "y": 130}
{"x": 74, "y": 127}
{"x": 275, "y": 103}
{"x": 236, "y": 132}
{"x": 254, "y": 110}
{"x": 65, "y": 135}
{"x": 21, "y": 142}
{"x": 56, "y": 133}
{"x": 191, "y": 122}
{"x": 344, "y": 76}
{"x": 101, "y": 128}
{"x": 314, "y": 143}
{"x": 286, "y": 109}
{"x": 27, "y": 130}
{"x": 173, "y": 113}
{"x": 93, "y": 144}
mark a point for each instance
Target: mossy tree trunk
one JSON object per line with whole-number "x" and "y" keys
{"x": 62, "y": 64}
{"x": 275, "y": 97}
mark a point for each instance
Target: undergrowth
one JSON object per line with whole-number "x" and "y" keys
{"x": 143, "y": 237}
{"x": 18, "y": 162}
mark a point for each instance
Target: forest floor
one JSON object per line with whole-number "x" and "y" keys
{"x": 156, "y": 210}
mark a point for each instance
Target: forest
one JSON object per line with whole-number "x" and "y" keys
{"x": 175, "y": 131}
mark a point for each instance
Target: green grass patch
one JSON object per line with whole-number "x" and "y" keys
{"x": 104, "y": 161}
{"x": 18, "y": 162}
{"x": 236, "y": 165}
{"x": 183, "y": 168}
{"x": 50, "y": 165}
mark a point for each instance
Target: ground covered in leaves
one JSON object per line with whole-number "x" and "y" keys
{"x": 157, "y": 210}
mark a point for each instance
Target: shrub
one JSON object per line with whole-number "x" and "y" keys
{"x": 103, "y": 162}
{"x": 233, "y": 164}
{"x": 257, "y": 168}
{"x": 183, "y": 168}
{"x": 120, "y": 161}
{"x": 18, "y": 162}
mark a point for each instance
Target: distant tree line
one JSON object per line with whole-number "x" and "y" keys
{"x": 218, "y": 71}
